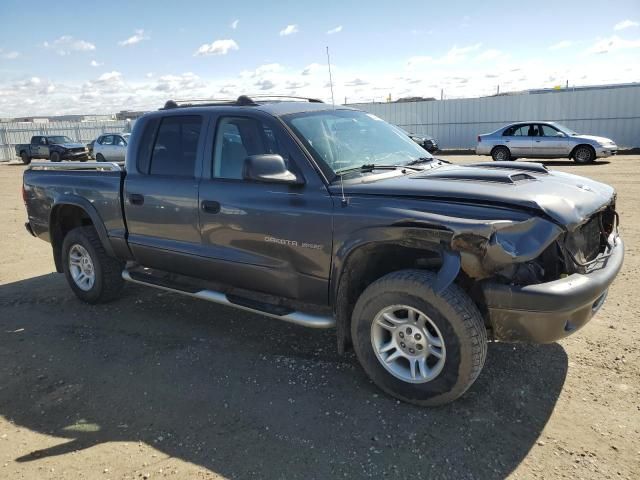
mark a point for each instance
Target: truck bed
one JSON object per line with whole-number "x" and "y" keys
{"x": 90, "y": 185}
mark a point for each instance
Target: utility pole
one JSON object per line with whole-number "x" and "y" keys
{"x": 330, "y": 79}
{"x": 498, "y": 90}
{"x": 442, "y": 94}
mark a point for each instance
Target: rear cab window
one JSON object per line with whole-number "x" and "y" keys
{"x": 169, "y": 146}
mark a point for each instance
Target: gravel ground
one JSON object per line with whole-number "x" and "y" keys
{"x": 157, "y": 385}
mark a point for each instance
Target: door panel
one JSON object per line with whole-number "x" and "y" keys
{"x": 161, "y": 202}
{"x": 266, "y": 237}
{"x": 549, "y": 144}
{"x": 518, "y": 141}
{"x": 270, "y": 238}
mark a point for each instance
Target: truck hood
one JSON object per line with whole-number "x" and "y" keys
{"x": 595, "y": 138}
{"x": 567, "y": 199}
{"x": 71, "y": 145}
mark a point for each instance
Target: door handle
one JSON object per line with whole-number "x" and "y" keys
{"x": 136, "y": 199}
{"x": 537, "y": 141}
{"x": 210, "y": 206}
{"x": 506, "y": 141}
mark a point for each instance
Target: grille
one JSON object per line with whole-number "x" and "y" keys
{"x": 78, "y": 149}
{"x": 586, "y": 242}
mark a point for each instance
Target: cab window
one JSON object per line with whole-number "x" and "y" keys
{"x": 236, "y": 139}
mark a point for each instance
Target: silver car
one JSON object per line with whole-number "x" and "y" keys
{"x": 543, "y": 140}
{"x": 111, "y": 147}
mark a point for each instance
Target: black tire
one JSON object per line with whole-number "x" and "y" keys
{"x": 55, "y": 157}
{"x": 501, "y": 154}
{"x": 108, "y": 270}
{"x": 455, "y": 315}
{"x": 584, "y": 154}
{"x": 99, "y": 158}
{"x": 26, "y": 159}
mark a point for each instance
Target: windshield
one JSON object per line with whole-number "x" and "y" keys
{"x": 564, "y": 129}
{"x": 59, "y": 139}
{"x": 347, "y": 139}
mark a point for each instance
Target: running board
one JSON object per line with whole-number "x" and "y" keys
{"x": 299, "y": 318}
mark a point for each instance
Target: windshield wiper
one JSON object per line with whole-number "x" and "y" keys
{"x": 421, "y": 160}
{"x": 368, "y": 167}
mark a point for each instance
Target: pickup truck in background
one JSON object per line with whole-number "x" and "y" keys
{"x": 329, "y": 217}
{"x": 52, "y": 147}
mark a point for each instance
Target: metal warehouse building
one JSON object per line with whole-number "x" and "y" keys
{"x": 610, "y": 111}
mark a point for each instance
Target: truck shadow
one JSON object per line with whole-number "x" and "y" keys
{"x": 246, "y": 396}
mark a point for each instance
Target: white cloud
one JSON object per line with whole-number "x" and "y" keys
{"x": 356, "y": 82}
{"x": 12, "y": 55}
{"x": 312, "y": 68}
{"x": 625, "y": 24}
{"x": 265, "y": 84}
{"x": 561, "y": 44}
{"x": 235, "y": 23}
{"x": 94, "y": 63}
{"x": 219, "y": 47}
{"x": 178, "y": 83}
{"x": 289, "y": 30}
{"x": 337, "y": 29}
{"x": 66, "y": 44}
{"x": 613, "y": 43}
{"x": 137, "y": 37}
{"x": 110, "y": 77}
{"x": 488, "y": 55}
{"x": 454, "y": 55}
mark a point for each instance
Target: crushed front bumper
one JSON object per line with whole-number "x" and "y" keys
{"x": 546, "y": 312}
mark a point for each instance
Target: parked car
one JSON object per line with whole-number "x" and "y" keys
{"x": 51, "y": 147}
{"x": 425, "y": 141}
{"x": 326, "y": 217}
{"x": 111, "y": 147}
{"x": 543, "y": 140}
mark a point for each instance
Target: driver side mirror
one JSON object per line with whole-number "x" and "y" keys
{"x": 268, "y": 168}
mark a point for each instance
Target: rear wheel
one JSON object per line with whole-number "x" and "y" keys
{"x": 501, "y": 154}
{"x": 55, "y": 157}
{"x": 25, "y": 158}
{"x": 94, "y": 276}
{"x": 584, "y": 154}
{"x": 100, "y": 158}
{"x": 419, "y": 346}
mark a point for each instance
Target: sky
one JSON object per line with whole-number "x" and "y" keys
{"x": 76, "y": 57}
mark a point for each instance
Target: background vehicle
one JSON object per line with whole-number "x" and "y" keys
{"x": 543, "y": 140}
{"x": 425, "y": 141}
{"x": 90, "y": 148}
{"x": 111, "y": 147}
{"x": 51, "y": 147}
{"x": 330, "y": 217}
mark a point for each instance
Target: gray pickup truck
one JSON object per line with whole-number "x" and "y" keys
{"x": 52, "y": 147}
{"x": 329, "y": 217}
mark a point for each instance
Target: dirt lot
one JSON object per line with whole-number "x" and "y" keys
{"x": 156, "y": 385}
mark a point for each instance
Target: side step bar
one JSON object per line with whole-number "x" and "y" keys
{"x": 299, "y": 318}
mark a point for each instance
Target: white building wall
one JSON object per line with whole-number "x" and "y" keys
{"x": 612, "y": 112}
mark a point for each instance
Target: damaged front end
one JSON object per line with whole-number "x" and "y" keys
{"x": 535, "y": 250}
{"x": 539, "y": 282}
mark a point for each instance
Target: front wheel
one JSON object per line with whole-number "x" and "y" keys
{"x": 94, "y": 276}
{"x": 55, "y": 157}
{"x": 419, "y": 346}
{"x": 25, "y": 158}
{"x": 100, "y": 158}
{"x": 584, "y": 154}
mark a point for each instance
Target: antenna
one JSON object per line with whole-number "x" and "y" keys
{"x": 330, "y": 79}
{"x": 344, "y": 199}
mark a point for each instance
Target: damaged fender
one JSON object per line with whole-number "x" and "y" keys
{"x": 488, "y": 250}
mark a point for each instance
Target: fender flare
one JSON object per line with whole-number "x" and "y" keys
{"x": 90, "y": 210}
